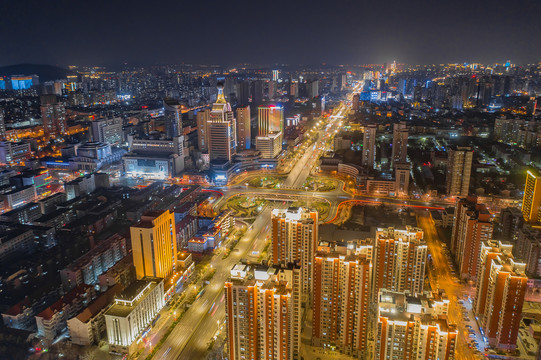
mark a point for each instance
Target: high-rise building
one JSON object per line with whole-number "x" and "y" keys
{"x": 511, "y": 221}
{"x": 341, "y": 302}
{"x": 501, "y": 287}
{"x": 244, "y": 134}
{"x": 257, "y": 90}
{"x": 402, "y": 178}
{"x": 275, "y": 75}
{"x": 270, "y": 119}
{"x": 294, "y": 239}
{"x": 406, "y": 329}
{"x": 531, "y": 202}
{"x": 132, "y": 311}
{"x": 107, "y": 130}
{"x": 243, "y": 93}
{"x": 269, "y": 145}
{"x": 263, "y": 312}
{"x": 399, "y": 259}
{"x": 369, "y": 146}
{"x": 528, "y": 249}
{"x": 312, "y": 89}
{"x": 172, "y": 117}
{"x": 154, "y": 245}
{"x": 459, "y": 165}
{"x": 53, "y": 115}
{"x": 400, "y": 143}
{"x": 2, "y": 125}
{"x": 203, "y": 117}
{"x": 222, "y": 134}
{"x": 472, "y": 227}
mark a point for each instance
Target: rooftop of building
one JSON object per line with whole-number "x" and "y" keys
{"x": 130, "y": 298}
{"x": 67, "y": 299}
{"x": 100, "y": 303}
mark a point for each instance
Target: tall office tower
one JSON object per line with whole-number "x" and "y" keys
{"x": 2, "y": 125}
{"x": 294, "y": 239}
{"x": 273, "y": 90}
{"x": 406, "y": 331}
{"x": 531, "y": 202}
{"x": 275, "y": 75}
{"x": 402, "y": 178}
{"x": 270, "y": 119}
{"x": 243, "y": 93}
{"x": 501, "y": 287}
{"x": 53, "y": 115}
{"x": 369, "y": 146}
{"x": 173, "y": 118}
{"x": 244, "y": 135}
{"x": 312, "y": 88}
{"x": 270, "y": 145}
{"x": 154, "y": 245}
{"x": 399, "y": 260}
{"x": 203, "y": 117}
{"x": 222, "y": 134}
{"x": 263, "y": 312}
{"x": 258, "y": 89}
{"x": 472, "y": 227}
{"x": 459, "y": 164}
{"x": 355, "y": 102}
{"x": 341, "y": 302}
{"x": 293, "y": 90}
{"x": 511, "y": 221}
{"x": 107, "y": 130}
{"x": 400, "y": 143}
{"x": 531, "y": 106}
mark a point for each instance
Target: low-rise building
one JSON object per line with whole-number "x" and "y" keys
{"x": 132, "y": 311}
{"x": 87, "y": 268}
{"x": 52, "y": 321}
{"x": 88, "y": 327}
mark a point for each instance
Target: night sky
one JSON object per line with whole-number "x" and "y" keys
{"x": 309, "y": 32}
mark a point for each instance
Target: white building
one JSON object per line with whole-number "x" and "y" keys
{"x": 132, "y": 312}
{"x": 270, "y": 145}
{"x": 11, "y": 152}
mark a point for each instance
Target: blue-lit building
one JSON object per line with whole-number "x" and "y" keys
{"x": 23, "y": 82}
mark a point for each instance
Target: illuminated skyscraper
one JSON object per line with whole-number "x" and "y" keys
{"x": 294, "y": 239}
{"x": 263, "y": 312}
{"x": 531, "y": 202}
{"x": 270, "y": 119}
{"x": 369, "y": 146}
{"x": 400, "y": 143}
{"x": 203, "y": 117}
{"x": 2, "y": 125}
{"x": 222, "y": 134}
{"x": 402, "y": 178}
{"x": 472, "y": 227}
{"x": 275, "y": 75}
{"x": 173, "y": 118}
{"x": 459, "y": 165}
{"x": 53, "y": 115}
{"x": 406, "y": 329}
{"x": 243, "y": 128}
{"x": 501, "y": 287}
{"x": 341, "y": 302}
{"x": 154, "y": 245}
{"x": 399, "y": 260}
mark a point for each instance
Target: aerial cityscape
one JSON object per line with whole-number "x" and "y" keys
{"x": 249, "y": 182}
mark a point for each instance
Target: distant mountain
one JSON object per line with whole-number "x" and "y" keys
{"x": 45, "y": 72}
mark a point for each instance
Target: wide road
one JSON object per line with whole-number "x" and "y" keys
{"x": 190, "y": 338}
{"x": 454, "y": 289}
{"x": 200, "y": 322}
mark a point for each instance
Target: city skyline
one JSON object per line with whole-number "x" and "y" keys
{"x": 346, "y": 32}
